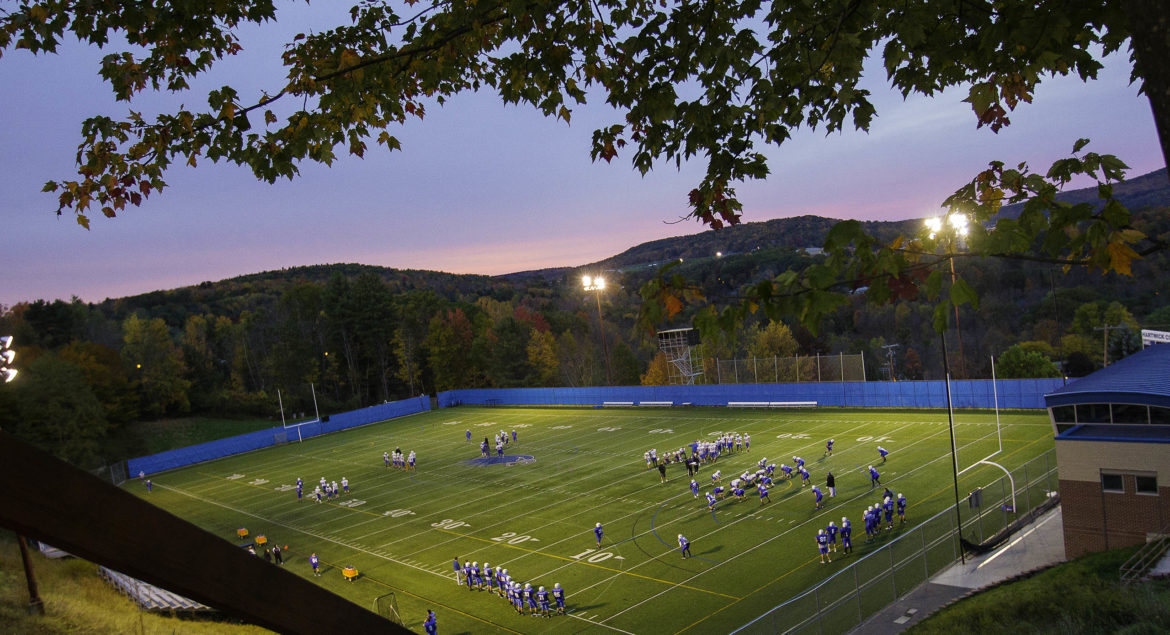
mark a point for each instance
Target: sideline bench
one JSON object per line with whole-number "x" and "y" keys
{"x": 771, "y": 404}
{"x": 617, "y": 403}
{"x": 655, "y": 403}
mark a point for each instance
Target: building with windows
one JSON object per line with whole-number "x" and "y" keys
{"x": 1113, "y": 452}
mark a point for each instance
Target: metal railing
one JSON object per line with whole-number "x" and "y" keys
{"x": 1146, "y": 557}
{"x": 844, "y": 600}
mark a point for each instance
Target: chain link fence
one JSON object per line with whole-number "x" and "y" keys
{"x": 786, "y": 370}
{"x": 844, "y": 600}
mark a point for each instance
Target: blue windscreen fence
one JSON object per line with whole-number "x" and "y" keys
{"x": 260, "y": 439}
{"x": 1012, "y": 394}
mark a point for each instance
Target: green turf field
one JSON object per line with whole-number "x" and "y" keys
{"x": 402, "y": 529}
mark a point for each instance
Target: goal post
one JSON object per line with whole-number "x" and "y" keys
{"x": 387, "y": 607}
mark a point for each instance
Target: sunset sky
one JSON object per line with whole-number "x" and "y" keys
{"x": 480, "y": 187}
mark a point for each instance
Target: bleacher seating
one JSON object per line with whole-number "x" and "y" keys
{"x": 150, "y": 597}
{"x": 51, "y": 552}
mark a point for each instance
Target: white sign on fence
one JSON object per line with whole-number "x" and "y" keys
{"x": 1154, "y": 337}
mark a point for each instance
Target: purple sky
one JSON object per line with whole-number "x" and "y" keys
{"x": 480, "y": 187}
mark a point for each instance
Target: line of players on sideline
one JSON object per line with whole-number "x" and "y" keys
{"x": 525, "y": 599}
{"x": 826, "y": 538}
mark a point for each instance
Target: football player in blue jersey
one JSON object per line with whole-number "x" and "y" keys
{"x": 823, "y": 546}
{"x": 542, "y": 599}
{"x": 559, "y": 596}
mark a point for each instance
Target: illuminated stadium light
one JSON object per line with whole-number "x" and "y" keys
{"x": 598, "y": 284}
{"x": 6, "y": 357}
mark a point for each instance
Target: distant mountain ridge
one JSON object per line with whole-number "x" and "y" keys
{"x": 795, "y": 233}
{"x": 809, "y": 231}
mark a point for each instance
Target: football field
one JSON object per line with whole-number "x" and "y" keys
{"x": 534, "y": 513}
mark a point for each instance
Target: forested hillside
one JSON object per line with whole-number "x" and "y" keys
{"x": 353, "y": 335}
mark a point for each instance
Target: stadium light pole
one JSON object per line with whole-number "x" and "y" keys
{"x": 598, "y": 285}
{"x": 957, "y": 223}
{"x": 958, "y": 228}
{"x": 954, "y": 447}
{"x": 35, "y": 605}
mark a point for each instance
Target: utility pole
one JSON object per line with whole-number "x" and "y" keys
{"x": 1105, "y": 342}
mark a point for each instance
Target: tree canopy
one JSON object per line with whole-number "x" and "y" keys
{"x": 713, "y": 82}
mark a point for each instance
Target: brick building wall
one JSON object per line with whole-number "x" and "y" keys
{"x": 1095, "y": 519}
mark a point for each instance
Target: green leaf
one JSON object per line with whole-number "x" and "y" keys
{"x": 962, "y": 293}
{"x": 939, "y": 318}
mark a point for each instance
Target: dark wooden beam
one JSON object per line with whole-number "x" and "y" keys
{"x": 75, "y": 511}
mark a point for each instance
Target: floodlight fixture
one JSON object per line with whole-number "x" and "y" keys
{"x": 959, "y": 222}
{"x": 934, "y": 224}
{"x": 8, "y": 355}
{"x": 6, "y": 341}
{"x": 593, "y": 284}
{"x": 9, "y": 374}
